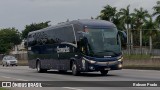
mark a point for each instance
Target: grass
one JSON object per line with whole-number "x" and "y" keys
{"x": 3, "y": 89}
{"x": 23, "y": 62}
{"x": 136, "y": 57}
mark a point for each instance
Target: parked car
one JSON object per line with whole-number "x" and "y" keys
{"x": 9, "y": 60}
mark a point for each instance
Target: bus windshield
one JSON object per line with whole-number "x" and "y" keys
{"x": 103, "y": 41}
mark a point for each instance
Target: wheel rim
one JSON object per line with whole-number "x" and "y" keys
{"x": 38, "y": 67}
{"x": 74, "y": 69}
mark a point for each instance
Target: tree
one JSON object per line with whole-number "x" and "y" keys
{"x": 150, "y": 28}
{"x": 126, "y": 20}
{"x": 34, "y": 27}
{"x": 108, "y": 13}
{"x": 157, "y": 11}
{"x": 117, "y": 21}
{"x": 140, "y": 17}
{"x": 9, "y": 37}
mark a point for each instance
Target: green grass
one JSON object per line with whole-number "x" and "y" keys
{"x": 23, "y": 62}
{"x": 137, "y": 57}
{"x": 3, "y": 89}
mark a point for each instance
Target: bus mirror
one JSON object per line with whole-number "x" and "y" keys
{"x": 123, "y": 38}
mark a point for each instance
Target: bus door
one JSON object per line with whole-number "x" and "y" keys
{"x": 65, "y": 52}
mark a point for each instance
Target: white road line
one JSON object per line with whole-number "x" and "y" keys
{"x": 72, "y": 88}
{"x": 21, "y": 79}
{"x": 14, "y": 78}
{"x": 5, "y": 77}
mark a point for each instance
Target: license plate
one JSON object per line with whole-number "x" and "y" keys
{"x": 107, "y": 68}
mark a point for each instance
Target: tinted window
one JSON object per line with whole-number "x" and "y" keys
{"x": 63, "y": 34}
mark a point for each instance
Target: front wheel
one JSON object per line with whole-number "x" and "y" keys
{"x": 39, "y": 69}
{"x": 75, "y": 72}
{"x": 104, "y": 72}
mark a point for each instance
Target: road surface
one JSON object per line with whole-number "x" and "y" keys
{"x": 23, "y": 73}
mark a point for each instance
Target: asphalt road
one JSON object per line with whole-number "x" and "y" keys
{"x": 23, "y": 73}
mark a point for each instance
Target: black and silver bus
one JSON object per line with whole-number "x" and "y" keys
{"x": 79, "y": 45}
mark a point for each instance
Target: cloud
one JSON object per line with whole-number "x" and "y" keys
{"x": 18, "y": 13}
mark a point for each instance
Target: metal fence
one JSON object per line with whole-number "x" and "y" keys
{"x": 145, "y": 41}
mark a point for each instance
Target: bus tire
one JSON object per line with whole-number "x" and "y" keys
{"x": 39, "y": 68}
{"x": 104, "y": 72}
{"x": 75, "y": 72}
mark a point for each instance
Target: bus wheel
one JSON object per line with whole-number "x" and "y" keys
{"x": 75, "y": 72}
{"x": 39, "y": 69}
{"x": 104, "y": 72}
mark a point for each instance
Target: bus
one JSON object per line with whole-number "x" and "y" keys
{"x": 79, "y": 45}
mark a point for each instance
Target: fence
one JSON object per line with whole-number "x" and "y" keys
{"x": 145, "y": 41}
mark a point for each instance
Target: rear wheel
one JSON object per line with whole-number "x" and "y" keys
{"x": 75, "y": 71}
{"x": 39, "y": 69}
{"x": 104, "y": 72}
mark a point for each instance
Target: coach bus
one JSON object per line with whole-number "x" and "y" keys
{"x": 78, "y": 45}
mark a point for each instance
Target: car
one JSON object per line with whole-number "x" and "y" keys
{"x": 9, "y": 61}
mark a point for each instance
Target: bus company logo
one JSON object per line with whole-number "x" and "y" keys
{"x": 63, "y": 50}
{"x": 6, "y": 84}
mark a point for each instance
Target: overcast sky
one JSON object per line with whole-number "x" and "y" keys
{"x": 18, "y": 13}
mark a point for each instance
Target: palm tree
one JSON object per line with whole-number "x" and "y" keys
{"x": 126, "y": 20}
{"x": 108, "y": 13}
{"x": 117, "y": 21}
{"x": 150, "y": 28}
{"x": 140, "y": 16}
{"x": 157, "y": 11}
{"x": 133, "y": 29}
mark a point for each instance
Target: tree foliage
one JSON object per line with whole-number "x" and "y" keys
{"x": 8, "y": 38}
{"x": 137, "y": 20}
{"x": 34, "y": 27}
{"x": 157, "y": 11}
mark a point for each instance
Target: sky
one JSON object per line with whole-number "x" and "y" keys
{"x": 19, "y": 13}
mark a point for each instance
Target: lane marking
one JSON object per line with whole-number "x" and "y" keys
{"x": 5, "y": 77}
{"x": 21, "y": 79}
{"x": 72, "y": 88}
{"x": 14, "y": 78}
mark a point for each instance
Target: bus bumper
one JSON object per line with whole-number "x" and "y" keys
{"x": 98, "y": 66}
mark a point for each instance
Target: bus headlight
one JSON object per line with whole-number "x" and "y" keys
{"x": 120, "y": 59}
{"x": 92, "y": 62}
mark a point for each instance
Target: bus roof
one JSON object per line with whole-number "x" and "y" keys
{"x": 92, "y": 22}
{"x": 82, "y": 22}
